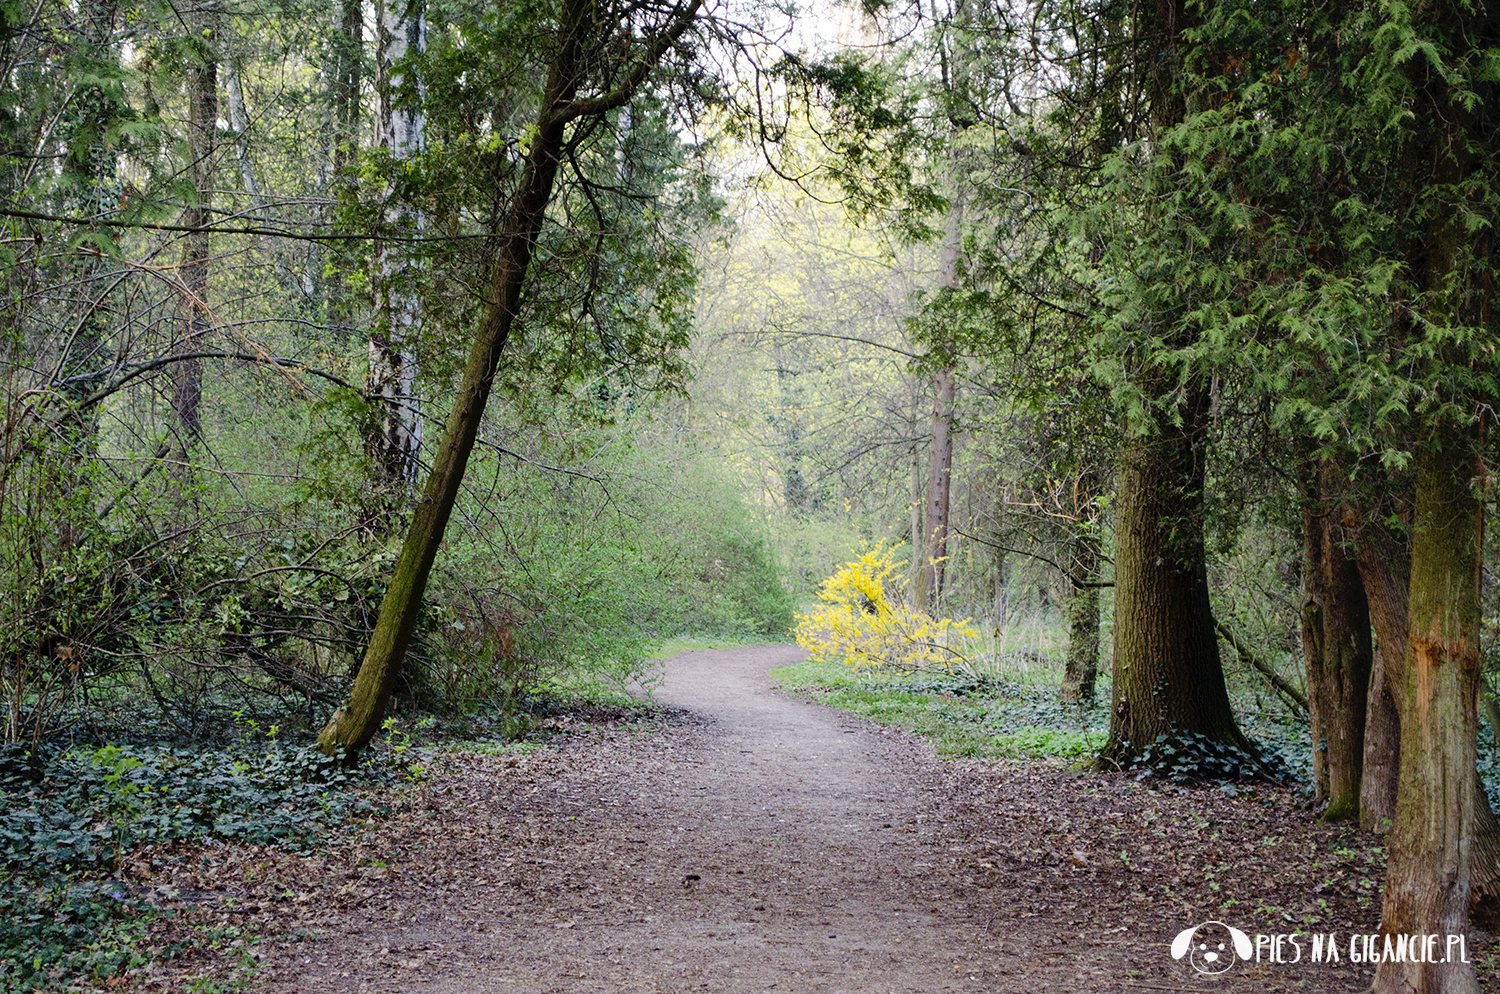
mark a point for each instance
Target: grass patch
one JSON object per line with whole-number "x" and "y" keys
{"x": 962, "y": 714}
{"x": 693, "y": 643}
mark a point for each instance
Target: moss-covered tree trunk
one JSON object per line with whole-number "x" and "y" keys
{"x": 1337, "y": 650}
{"x": 353, "y": 725}
{"x": 1168, "y": 678}
{"x": 1385, "y": 568}
{"x": 1429, "y": 870}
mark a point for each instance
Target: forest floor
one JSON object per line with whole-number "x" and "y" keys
{"x": 747, "y": 841}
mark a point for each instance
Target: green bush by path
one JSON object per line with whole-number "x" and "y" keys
{"x": 580, "y": 576}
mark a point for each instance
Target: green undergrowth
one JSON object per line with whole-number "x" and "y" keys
{"x": 70, "y": 814}
{"x": 963, "y": 714}
{"x": 1019, "y": 716}
{"x": 59, "y": 931}
{"x": 969, "y": 715}
{"x": 533, "y": 718}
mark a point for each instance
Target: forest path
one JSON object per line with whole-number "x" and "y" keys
{"x": 758, "y": 843}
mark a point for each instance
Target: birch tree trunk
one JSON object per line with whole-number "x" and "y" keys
{"x": 239, "y": 123}
{"x": 394, "y": 437}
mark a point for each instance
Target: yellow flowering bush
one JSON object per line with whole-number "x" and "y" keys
{"x": 864, "y": 618}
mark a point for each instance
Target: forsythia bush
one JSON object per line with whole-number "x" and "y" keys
{"x": 865, "y": 621}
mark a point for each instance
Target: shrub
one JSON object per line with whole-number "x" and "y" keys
{"x": 581, "y": 573}
{"x": 865, "y": 620}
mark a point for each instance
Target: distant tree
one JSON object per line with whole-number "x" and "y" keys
{"x": 200, "y": 50}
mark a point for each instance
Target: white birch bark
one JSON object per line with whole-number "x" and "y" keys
{"x": 396, "y": 436}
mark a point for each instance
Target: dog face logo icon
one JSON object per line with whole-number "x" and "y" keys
{"x": 1212, "y": 947}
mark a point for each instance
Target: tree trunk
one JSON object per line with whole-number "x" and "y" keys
{"x": 1382, "y": 760}
{"x": 1168, "y": 678}
{"x": 353, "y": 725}
{"x": 1337, "y": 648}
{"x": 1385, "y": 573}
{"x": 347, "y": 76}
{"x": 1385, "y": 569}
{"x": 939, "y": 484}
{"x": 955, "y": 60}
{"x": 788, "y": 422}
{"x": 1083, "y": 623}
{"x": 921, "y": 576}
{"x": 239, "y": 122}
{"x": 1430, "y": 865}
{"x": 195, "y": 322}
{"x": 394, "y": 437}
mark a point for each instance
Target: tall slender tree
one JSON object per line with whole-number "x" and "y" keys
{"x": 592, "y": 49}
{"x": 196, "y": 320}
{"x": 394, "y": 438}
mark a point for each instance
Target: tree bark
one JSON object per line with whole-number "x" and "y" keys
{"x": 355, "y": 724}
{"x": 1168, "y": 677}
{"x": 1429, "y": 870}
{"x": 194, "y": 321}
{"x": 939, "y": 485}
{"x": 1385, "y": 569}
{"x": 1337, "y": 649}
{"x": 1082, "y": 668}
{"x": 239, "y": 123}
{"x": 1382, "y": 759}
{"x": 394, "y": 437}
{"x": 1385, "y": 573}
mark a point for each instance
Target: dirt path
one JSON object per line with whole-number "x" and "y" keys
{"x": 769, "y": 844}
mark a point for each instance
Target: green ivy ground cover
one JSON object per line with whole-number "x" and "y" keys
{"x": 68, "y": 815}
{"x": 982, "y": 715}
